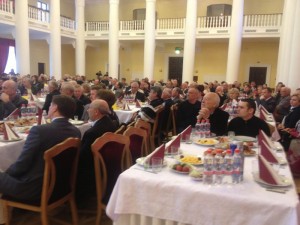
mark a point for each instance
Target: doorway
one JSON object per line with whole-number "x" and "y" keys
{"x": 175, "y": 68}
{"x": 41, "y": 68}
{"x": 258, "y": 75}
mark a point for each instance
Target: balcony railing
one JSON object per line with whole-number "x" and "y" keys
{"x": 97, "y": 26}
{"x": 170, "y": 24}
{"x": 128, "y": 25}
{"x": 262, "y": 20}
{"x": 67, "y": 23}
{"x": 6, "y": 6}
{"x": 40, "y": 15}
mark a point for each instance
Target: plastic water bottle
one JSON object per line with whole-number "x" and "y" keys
{"x": 228, "y": 167}
{"x": 208, "y": 172}
{"x": 23, "y": 111}
{"x": 218, "y": 167}
{"x": 198, "y": 129}
{"x": 237, "y": 167}
{"x": 207, "y": 128}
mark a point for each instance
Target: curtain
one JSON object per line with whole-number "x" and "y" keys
{"x": 4, "y": 48}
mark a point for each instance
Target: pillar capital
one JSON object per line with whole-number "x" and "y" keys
{"x": 113, "y": 2}
{"x": 80, "y": 3}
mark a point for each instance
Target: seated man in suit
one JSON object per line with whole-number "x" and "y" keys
{"x": 23, "y": 180}
{"x": 268, "y": 101}
{"x": 155, "y": 96}
{"x": 98, "y": 114}
{"x": 10, "y": 100}
{"x": 210, "y": 110}
{"x": 246, "y": 123}
{"x": 134, "y": 91}
{"x": 53, "y": 90}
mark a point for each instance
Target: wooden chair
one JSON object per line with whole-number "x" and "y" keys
{"x": 58, "y": 185}
{"x": 173, "y": 112}
{"x": 147, "y": 127}
{"x": 138, "y": 142}
{"x": 111, "y": 157}
{"x": 155, "y": 137}
{"x": 121, "y": 129}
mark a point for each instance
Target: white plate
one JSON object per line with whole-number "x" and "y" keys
{"x": 244, "y": 138}
{"x": 22, "y": 129}
{"x": 206, "y": 144}
{"x": 179, "y": 159}
{"x": 286, "y": 181}
{"x": 76, "y": 122}
{"x": 282, "y": 161}
{"x": 17, "y": 139}
{"x": 140, "y": 161}
{"x": 180, "y": 172}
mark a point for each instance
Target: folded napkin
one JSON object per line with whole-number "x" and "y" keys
{"x": 40, "y": 115}
{"x": 263, "y": 137}
{"x": 175, "y": 142}
{"x": 268, "y": 153}
{"x": 159, "y": 152}
{"x": 138, "y": 104}
{"x": 126, "y": 106}
{"x": 275, "y": 135}
{"x": 267, "y": 173}
{"x": 9, "y": 134}
{"x": 187, "y": 131}
{"x": 15, "y": 113}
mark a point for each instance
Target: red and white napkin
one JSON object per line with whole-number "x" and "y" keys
{"x": 126, "y": 106}
{"x": 267, "y": 173}
{"x": 14, "y": 113}
{"x": 8, "y": 133}
{"x": 175, "y": 142}
{"x": 268, "y": 153}
{"x": 159, "y": 152}
{"x": 263, "y": 137}
{"x": 187, "y": 131}
{"x": 41, "y": 118}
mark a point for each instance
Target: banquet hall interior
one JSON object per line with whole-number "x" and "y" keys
{"x": 187, "y": 40}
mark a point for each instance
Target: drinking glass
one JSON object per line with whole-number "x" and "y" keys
{"x": 188, "y": 139}
{"x": 174, "y": 151}
{"x": 231, "y": 135}
{"x": 156, "y": 164}
{"x": 76, "y": 118}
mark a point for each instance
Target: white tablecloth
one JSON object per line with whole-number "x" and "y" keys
{"x": 142, "y": 198}
{"x": 125, "y": 116}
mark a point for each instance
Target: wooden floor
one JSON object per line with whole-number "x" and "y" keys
{"x": 86, "y": 214}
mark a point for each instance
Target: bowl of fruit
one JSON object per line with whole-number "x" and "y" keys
{"x": 182, "y": 168}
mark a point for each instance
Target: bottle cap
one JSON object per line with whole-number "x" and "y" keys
{"x": 219, "y": 151}
{"x": 228, "y": 151}
{"x": 237, "y": 150}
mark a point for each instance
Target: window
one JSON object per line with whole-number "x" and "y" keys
{"x": 11, "y": 61}
{"x": 42, "y": 5}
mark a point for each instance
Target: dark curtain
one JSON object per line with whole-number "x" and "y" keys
{"x": 4, "y": 48}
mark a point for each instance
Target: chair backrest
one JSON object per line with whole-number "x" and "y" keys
{"x": 60, "y": 171}
{"x": 157, "y": 121}
{"x": 173, "y": 112}
{"x": 138, "y": 142}
{"x": 145, "y": 126}
{"x": 111, "y": 157}
{"x": 121, "y": 129}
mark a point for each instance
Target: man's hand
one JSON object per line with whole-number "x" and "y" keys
{"x": 5, "y": 97}
{"x": 203, "y": 113}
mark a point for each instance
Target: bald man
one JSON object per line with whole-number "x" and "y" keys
{"x": 283, "y": 107}
{"x": 210, "y": 110}
{"x": 10, "y": 100}
{"x": 101, "y": 123}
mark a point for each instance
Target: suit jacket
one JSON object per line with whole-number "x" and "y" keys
{"x": 282, "y": 109}
{"x": 269, "y": 104}
{"x": 139, "y": 95}
{"x": 86, "y": 174}
{"x": 218, "y": 122}
{"x": 7, "y": 108}
{"x": 23, "y": 180}
{"x": 48, "y": 99}
{"x": 292, "y": 118}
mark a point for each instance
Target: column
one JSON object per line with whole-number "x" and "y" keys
{"x": 235, "y": 41}
{"x": 113, "y": 46}
{"x": 55, "y": 40}
{"x": 22, "y": 37}
{"x": 149, "y": 46}
{"x": 80, "y": 42}
{"x": 285, "y": 44}
{"x": 189, "y": 41}
{"x": 294, "y": 65}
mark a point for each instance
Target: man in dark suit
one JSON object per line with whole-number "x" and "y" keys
{"x": 268, "y": 101}
{"x": 53, "y": 90}
{"x": 10, "y": 100}
{"x": 135, "y": 92}
{"x": 23, "y": 180}
{"x": 210, "y": 110}
{"x": 98, "y": 114}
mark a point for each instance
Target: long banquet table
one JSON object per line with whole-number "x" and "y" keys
{"x": 144, "y": 198}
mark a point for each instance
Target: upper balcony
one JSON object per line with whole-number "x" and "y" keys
{"x": 255, "y": 25}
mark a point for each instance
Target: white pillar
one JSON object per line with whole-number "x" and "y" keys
{"x": 22, "y": 37}
{"x": 294, "y": 65}
{"x": 189, "y": 41}
{"x": 80, "y": 42}
{"x": 285, "y": 44}
{"x": 113, "y": 55}
{"x": 149, "y": 46}
{"x": 55, "y": 40}
{"x": 235, "y": 41}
